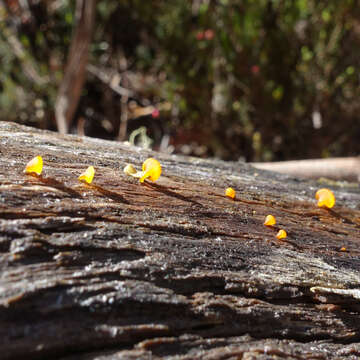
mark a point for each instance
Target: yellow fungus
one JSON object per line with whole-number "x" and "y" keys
{"x": 270, "y": 220}
{"x": 88, "y": 175}
{"x": 230, "y": 192}
{"x": 35, "y": 165}
{"x": 325, "y": 198}
{"x": 281, "y": 234}
{"x": 151, "y": 170}
{"x": 129, "y": 169}
{"x": 343, "y": 248}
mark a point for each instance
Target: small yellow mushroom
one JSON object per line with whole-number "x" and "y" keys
{"x": 35, "y": 165}
{"x": 230, "y": 192}
{"x": 343, "y": 248}
{"x": 270, "y": 220}
{"x": 130, "y": 170}
{"x": 281, "y": 234}
{"x": 88, "y": 175}
{"x": 325, "y": 198}
{"x": 151, "y": 169}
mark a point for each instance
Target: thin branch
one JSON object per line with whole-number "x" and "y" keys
{"x": 107, "y": 79}
{"x": 70, "y": 89}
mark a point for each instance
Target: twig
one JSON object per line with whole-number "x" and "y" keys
{"x": 70, "y": 89}
{"x": 107, "y": 79}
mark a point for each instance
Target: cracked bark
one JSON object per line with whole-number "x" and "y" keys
{"x": 173, "y": 269}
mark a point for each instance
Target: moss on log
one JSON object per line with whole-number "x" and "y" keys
{"x": 171, "y": 269}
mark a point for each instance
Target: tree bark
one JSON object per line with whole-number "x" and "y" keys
{"x": 172, "y": 269}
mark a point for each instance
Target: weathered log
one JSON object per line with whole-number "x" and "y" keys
{"x": 333, "y": 168}
{"x": 172, "y": 269}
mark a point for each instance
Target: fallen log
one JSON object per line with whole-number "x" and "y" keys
{"x": 172, "y": 269}
{"x": 334, "y": 168}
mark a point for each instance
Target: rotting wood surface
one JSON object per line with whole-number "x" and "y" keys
{"x": 172, "y": 269}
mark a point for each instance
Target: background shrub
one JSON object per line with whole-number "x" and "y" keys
{"x": 254, "y": 80}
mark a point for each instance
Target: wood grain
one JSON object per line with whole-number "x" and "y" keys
{"x": 172, "y": 269}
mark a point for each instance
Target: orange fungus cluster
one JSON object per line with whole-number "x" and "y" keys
{"x": 151, "y": 170}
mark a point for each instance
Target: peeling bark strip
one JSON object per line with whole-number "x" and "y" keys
{"x": 174, "y": 269}
{"x": 70, "y": 89}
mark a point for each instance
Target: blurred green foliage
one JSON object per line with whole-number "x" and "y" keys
{"x": 251, "y": 79}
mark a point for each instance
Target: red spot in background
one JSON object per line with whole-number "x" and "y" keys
{"x": 255, "y": 69}
{"x": 199, "y": 35}
{"x": 209, "y": 34}
{"x": 155, "y": 113}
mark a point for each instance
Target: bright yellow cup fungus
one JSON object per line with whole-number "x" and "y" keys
{"x": 35, "y": 165}
{"x": 230, "y": 192}
{"x": 281, "y": 234}
{"x": 270, "y": 220}
{"x": 325, "y": 198}
{"x": 151, "y": 169}
{"x": 88, "y": 175}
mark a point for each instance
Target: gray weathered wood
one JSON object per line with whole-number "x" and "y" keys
{"x": 119, "y": 270}
{"x": 347, "y": 168}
